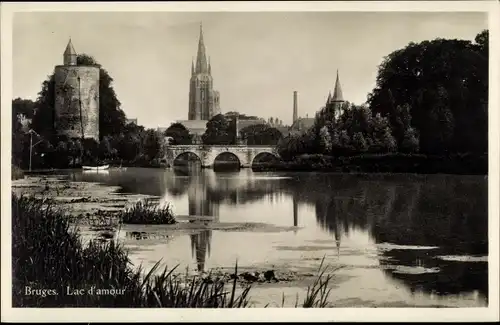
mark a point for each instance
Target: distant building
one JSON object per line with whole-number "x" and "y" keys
{"x": 299, "y": 124}
{"x": 335, "y": 103}
{"x": 76, "y": 97}
{"x": 131, "y": 120}
{"x": 196, "y": 129}
{"x": 203, "y": 99}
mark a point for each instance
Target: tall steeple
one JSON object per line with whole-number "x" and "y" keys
{"x": 201, "y": 59}
{"x": 192, "y": 66}
{"x": 337, "y": 92}
{"x": 209, "y": 67}
{"x": 69, "y": 54}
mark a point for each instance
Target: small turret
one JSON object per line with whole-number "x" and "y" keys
{"x": 69, "y": 54}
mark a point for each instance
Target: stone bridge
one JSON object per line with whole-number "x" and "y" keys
{"x": 208, "y": 153}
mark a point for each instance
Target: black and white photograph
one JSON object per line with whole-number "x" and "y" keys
{"x": 319, "y": 155}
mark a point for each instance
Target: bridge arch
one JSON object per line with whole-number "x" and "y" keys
{"x": 186, "y": 153}
{"x": 262, "y": 154}
{"x": 230, "y": 154}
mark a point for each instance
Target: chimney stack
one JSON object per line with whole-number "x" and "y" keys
{"x": 294, "y": 106}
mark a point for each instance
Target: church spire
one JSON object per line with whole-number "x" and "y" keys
{"x": 201, "y": 59}
{"x": 329, "y": 99}
{"x": 209, "y": 66}
{"x": 69, "y": 57}
{"x": 192, "y": 66}
{"x": 337, "y": 93}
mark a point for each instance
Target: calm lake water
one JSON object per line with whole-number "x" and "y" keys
{"x": 402, "y": 240}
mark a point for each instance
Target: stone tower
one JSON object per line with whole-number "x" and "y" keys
{"x": 203, "y": 99}
{"x": 335, "y": 102}
{"x": 76, "y": 98}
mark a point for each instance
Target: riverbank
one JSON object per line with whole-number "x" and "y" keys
{"x": 384, "y": 163}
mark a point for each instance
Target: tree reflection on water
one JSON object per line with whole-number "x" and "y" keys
{"x": 447, "y": 212}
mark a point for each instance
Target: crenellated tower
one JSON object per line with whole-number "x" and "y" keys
{"x": 203, "y": 99}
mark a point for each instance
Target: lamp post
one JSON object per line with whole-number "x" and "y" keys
{"x": 31, "y": 143}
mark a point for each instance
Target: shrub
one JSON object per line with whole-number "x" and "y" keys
{"x": 148, "y": 212}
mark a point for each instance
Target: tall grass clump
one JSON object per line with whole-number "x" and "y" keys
{"x": 148, "y": 212}
{"x": 48, "y": 257}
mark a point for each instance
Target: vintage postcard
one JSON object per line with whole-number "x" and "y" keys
{"x": 170, "y": 159}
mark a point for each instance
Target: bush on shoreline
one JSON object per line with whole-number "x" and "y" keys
{"x": 50, "y": 262}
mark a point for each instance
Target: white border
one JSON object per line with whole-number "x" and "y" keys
{"x": 337, "y": 314}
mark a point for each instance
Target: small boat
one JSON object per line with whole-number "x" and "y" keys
{"x": 103, "y": 167}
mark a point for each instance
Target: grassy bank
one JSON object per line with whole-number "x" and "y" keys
{"x": 384, "y": 163}
{"x": 53, "y": 268}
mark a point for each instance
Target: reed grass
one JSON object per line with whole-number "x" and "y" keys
{"x": 148, "y": 212}
{"x": 49, "y": 258}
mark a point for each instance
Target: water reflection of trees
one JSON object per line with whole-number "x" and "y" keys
{"x": 449, "y": 212}
{"x": 444, "y": 211}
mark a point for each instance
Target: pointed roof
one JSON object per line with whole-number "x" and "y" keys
{"x": 337, "y": 92}
{"x": 201, "y": 58}
{"x": 70, "y": 50}
{"x": 329, "y": 99}
{"x": 192, "y": 66}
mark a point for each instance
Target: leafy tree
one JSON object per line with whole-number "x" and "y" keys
{"x": 325, "y": 140}
{"x": 179, "y": 134}
{"x": 410, "y": 141}
{"x": 75, "y": 150}
{"x": 219, "y": 131}
{"x": 445, "y": 84}
{"x": 152, "y": 144}
{"x": 359, "y": 142}
{"x": 61, "y": 154}
{"x": 111, "y": 117}
{"x": 261, "y": 134}
{"x": 382, "y": 139}
{"x": 19, "y": 138}
{"x": 106, "y": 150}
{"x": 25, "y": 107}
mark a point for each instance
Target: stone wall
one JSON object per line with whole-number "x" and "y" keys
{"x": 75, "y": 86}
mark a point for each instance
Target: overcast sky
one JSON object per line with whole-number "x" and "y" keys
{"x": 258, "y": 59}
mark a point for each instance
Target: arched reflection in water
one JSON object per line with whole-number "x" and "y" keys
{"x": 422, "y": 227}
{"x": 226, "y": 161}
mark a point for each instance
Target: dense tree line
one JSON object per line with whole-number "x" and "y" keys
{"x": 430, "y": 97}
{"x": 119, "y": 142}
